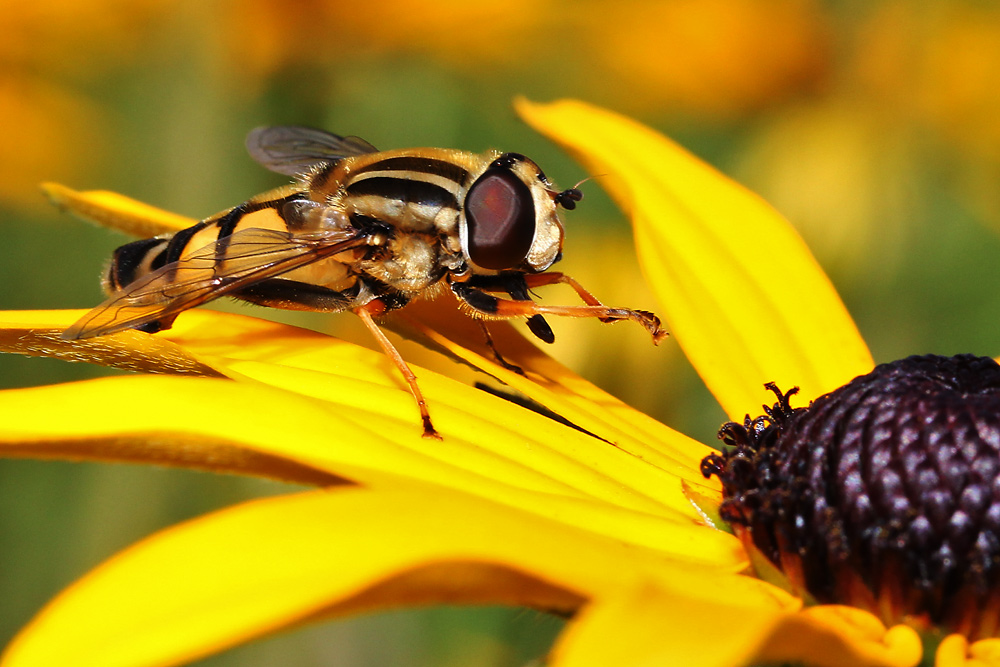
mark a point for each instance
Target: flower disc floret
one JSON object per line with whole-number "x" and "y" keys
{"x": 883, "y": 494}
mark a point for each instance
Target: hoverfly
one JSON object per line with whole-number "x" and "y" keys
{"x": 362, "y": 230}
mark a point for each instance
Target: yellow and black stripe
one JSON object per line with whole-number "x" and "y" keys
{"x": 134, "y": 260}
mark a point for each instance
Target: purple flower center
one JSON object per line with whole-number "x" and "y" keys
{"x": 883, "y": 494}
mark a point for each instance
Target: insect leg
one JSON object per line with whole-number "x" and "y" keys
{"x": 514, "y": 284}
{"x": 555, "y": 277}
{"x": 364, "y": 313}
{"x": 518, "y": 289}
{"x": 493, "y": 306}
{"x": 157, "y": 325}
{"x": 496, "y": 353}
{"x": 294, "y": 295}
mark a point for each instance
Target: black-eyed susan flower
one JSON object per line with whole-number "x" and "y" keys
{"x": 612, "y": 523}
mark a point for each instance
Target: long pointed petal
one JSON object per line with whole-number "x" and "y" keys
{"x": 115, "y": 211}
{"x": 37, "y": 333}
{"x": 651, "y": 626}
{"x": 259, "y": 567}
{"x": 648, "y": 449}
{"x": 741, "y": 292}
{"x": 247, "y": 427}
{"x": 368, "y": 400}
{"x": 555, "y": 387}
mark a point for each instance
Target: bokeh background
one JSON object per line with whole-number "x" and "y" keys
{"x": 872, "y": 124}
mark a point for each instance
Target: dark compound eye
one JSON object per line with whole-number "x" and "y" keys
{"x": 501, "y": 218}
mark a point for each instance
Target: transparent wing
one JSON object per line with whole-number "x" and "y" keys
{"x": 294, "y": 150}
{"x": 236, "y": 261}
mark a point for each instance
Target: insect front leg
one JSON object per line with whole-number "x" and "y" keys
{"x": 647, "y": 319}
{"x": 493, "y": 306}
{"x": 554, "y": 278}
{"x": 513, "y": 283}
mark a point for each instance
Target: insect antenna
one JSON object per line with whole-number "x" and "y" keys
{"x": 569, "y": 197}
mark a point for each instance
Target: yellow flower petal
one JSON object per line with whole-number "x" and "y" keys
{"x": 653, "y": 449}
{"x": 481, "y": 432}
{"x": 955, "y": 651}
{"x": 251, "y": 428}
{"x": 832, "y": 635}
{"x": 253, "y": 569}
{"x": 654, "y": 624}
{"x": 115, "y": 211}
{"x": 370, "y": 402}
{"x": 986, "y": 652}
{"x": 108, "y": 420}
{"x": 742, "y": 294}
{"x": 37, "y": 333}
{"x": 441, "y": 323}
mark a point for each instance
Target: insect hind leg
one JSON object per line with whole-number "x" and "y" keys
{"x": 294, "y": 295}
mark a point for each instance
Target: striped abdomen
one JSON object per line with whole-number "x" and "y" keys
{"x": 133, "y": 261}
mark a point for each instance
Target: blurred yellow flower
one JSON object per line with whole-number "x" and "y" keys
{"x": 942, "y": 64}
{"x": 607, "y": 523}
{"x": 933, "y": 71}
{"x": 722, "y": 57}
{"x": 51, "y": 129}
{"x": 262, "y": 37}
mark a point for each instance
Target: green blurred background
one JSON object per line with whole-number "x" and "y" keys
{"x": 873, "y": 125}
